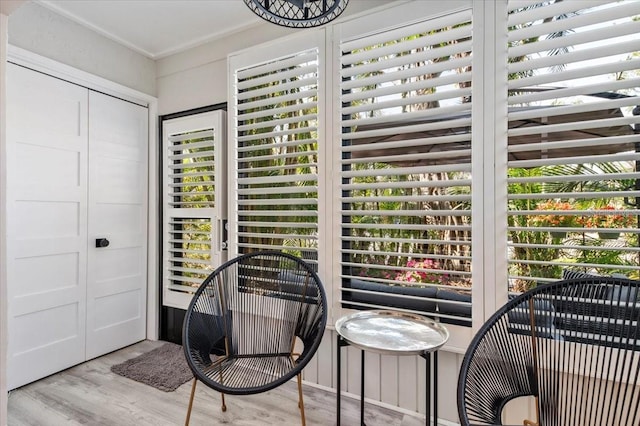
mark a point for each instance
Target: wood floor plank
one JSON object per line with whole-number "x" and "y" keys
{"x": 90, "y": 394}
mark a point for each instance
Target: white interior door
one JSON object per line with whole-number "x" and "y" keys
{"x": 46, "y": 224}
{"x": 117, "y": 280}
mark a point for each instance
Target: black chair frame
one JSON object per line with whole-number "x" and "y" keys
{"x": 247, "y": 320}
{"x": 572, "y": 345}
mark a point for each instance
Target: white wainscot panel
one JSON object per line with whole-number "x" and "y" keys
{"x": 45, "y": 328}
{"x": 42, "y": 274}
{"x": 116, "y": 177}
{"x": 125, "y": 261}
{"x": 123, "y": 305}
{"x": 124, "y": 217}
{"x": 60, "y": 119}
{"x": 62, "y": 166}
{"x": 46, "y": 219}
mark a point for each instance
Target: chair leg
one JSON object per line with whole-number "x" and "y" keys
{"x": 224, "y": 406}
{"x": 193, "y": 392}
{"x": 537, "y": 422}
{"x": 301, "y": 401}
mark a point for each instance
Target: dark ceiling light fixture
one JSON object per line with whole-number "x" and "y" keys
{"x": 298, "y": 13}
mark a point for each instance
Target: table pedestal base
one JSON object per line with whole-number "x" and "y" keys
{"x": 430, "y": 402}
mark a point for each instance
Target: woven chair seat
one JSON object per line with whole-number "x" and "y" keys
{"x": 243, "y": 375}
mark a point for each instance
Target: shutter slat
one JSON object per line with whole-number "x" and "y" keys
{"x": 452, "y": 94}
{"x": 410, "y": 142}
{"x": 586, "y": 90}
{"x": 574, "y": 39}
{"x": 203, "y": 134}
{"x": 277, "y": 87}
{"x": 381, "y": 91}
{"x": 275, "y": 123}
{"x": 278, "y": 190}
{"x": 381, "y": 63}
{"x": 576, "y": 21}
{"x": 192, "y": 155}
{"x": 407, "y": 128}
{"x": 296, "y": 72}
{"x": 570, "y": 57}
{"x": 459, "y": 155}
{"x": 252, "y": 146}
{"x": 278, "y": 225}
{"x": 592, "y": 159}
{"x": 575, "y": 143}
{"x": 445, "y": 21}
{"x": 598, "y": 106}
{"x": 277, "y": 65}
{"x": 299, "y": 97}
{"x": 553, "y": 9}
{"x": 277, "y": 134}
{"x": 584, "y": 72}
{"x": 406, "y": 74}
{"x": 578, "y": 125}
{"x": 408, "y": 184}
{"x": 269, "y": 114}
{"x": 200, "y": 164}
{"x": 278, "y": 202}
{"x": 277, "y": 179}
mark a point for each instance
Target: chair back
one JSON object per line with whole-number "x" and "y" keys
{"x": 573, "y": 345}
{"x": 255, "y": 306}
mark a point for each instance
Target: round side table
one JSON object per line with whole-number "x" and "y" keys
{"x": 392, "y": 333}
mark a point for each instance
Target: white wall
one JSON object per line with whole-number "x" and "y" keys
{"x": 42, "y": 31}
{"x": 198, "y": 77}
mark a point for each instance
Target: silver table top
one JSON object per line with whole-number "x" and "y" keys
{"x": 391, "y": 332}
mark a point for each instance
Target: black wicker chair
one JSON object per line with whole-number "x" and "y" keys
{"x": 243, "y": 327}
{"x": 574, "y": 346}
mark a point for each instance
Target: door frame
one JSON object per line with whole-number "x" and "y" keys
{"x": 171, "y": 318}
{"x": 56, "y": 69}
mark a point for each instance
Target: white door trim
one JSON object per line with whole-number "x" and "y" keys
{"x": 4, "y": 23}
{"x": 56, "y": 69}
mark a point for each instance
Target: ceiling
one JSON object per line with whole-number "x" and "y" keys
{"x": 159, "y": 28}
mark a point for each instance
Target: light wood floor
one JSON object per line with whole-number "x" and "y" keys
{"x": 90, "y": 394}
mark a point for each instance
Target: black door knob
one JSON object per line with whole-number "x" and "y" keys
{"x": 102, "y": 242}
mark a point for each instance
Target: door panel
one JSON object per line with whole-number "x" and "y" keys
{"x": 46, "y": 224}
{"x": 116, "y": 291}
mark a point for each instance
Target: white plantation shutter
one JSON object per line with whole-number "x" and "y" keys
{"x": 189, "y": 253}
{"x": 274, "y": 160}
{"x": 193, "y": 203}
{"x": 191, "y": 169}
{"x": 573, "y": 156}
{"x": 406, "y": 168}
